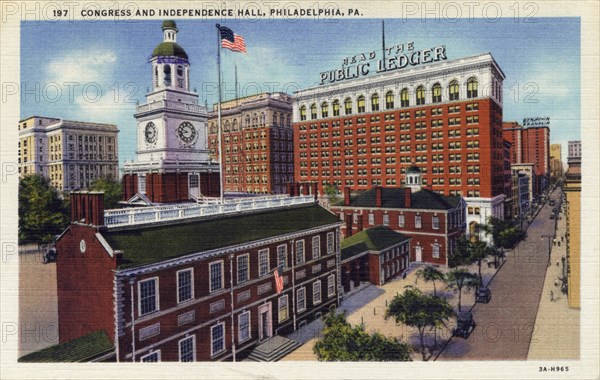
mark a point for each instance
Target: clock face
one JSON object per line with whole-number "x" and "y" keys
{"x": 150, "y": 133}
{"x": 186, "y": 132}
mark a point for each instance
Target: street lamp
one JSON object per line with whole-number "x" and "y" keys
{"x": 549, "y": 245}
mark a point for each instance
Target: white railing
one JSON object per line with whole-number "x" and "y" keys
{"x": 159, "y": 104}
{"x": 145, "y": 215}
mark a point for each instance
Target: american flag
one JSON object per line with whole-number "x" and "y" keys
{"x": 278, "y": 281}
{"x": 232, "y": 41}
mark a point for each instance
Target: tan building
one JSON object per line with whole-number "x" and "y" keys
{"x": 556, "y": 168}
{"x": 572, "y": 189}
{"x": 72, "y": 154}
{"x": 258, "y": 155}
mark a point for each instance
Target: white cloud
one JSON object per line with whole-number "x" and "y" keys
{"x": 82, "y": 66}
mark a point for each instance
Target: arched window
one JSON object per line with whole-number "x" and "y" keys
{"x": 453, "y": 90}
{"x": 275, "y": 119}
{"x": 348, "y": 106}
{"x": 281, "y": 120}
{"x": 263, "y": 118}
{"x": 226, "y": 128}
{"x": 375, "y": 102}
{"x": 313, "y": 111}
{"x": 360, "y": 104}
{"x": 472, "y": 87}
{"x": 436, "y": 93}
{"x": 167, "y": 71}
{"x": 420, "y": 95}
{"x": 404, "y": 98}
{"x": 213, "y": 128}
{"x": 324, "y": 109}
{"x": 302, "y": 113}
{"x": 289, "y": 121}
{"x": 389, "y": 100}
{"x": 336, "y": 108}
{"x": 179, "y": 70}
{"x": 247, "y": 121}
{"x": 155, "y": 76}
{"x": 235, "y": 125}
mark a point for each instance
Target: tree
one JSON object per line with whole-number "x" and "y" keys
{"x": 478, "y": 250}
{"x": 461, "y": 255}
{"x": 343, "y": 342}
{"x": 42, "y": 212}
{"x": 503, "y": 233}
{"x": 111, "y": 189}
{"x": 431, "y": 273}
{"x": 459, "y": 279}
{"x": 416, "y": 309}
{"x": 331, "y": 191}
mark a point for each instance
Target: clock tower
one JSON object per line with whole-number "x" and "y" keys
{"x": 173, "y": 163}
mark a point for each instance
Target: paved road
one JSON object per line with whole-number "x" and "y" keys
{"x": 505, "y": 324}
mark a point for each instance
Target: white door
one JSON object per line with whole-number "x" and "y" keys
{"x": 194, "y": 188}
{"x": 418, "y": 253}
{"x": 264, "y": 322}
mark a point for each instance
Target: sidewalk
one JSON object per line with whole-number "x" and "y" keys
{"x": 557, "y": 327}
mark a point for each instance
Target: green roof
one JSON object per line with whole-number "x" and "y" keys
{"x": 394, "y": 198}
{"x": 169, "y": 49}
{"x": 374, "y": 239}
{"x": 81, "y": 349}
{"x": 142, "y": 246}
{"x": 169, "y": 24}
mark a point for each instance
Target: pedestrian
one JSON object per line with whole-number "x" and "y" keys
{"x": 557, "y": 263}
{"x": 562, "y": 238}
{"x": 559, "y": 243}
{"x": 551, "y": 296}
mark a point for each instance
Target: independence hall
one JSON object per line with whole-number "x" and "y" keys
{"x": 445, "y": 117}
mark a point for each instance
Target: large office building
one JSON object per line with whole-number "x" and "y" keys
{"x": 172, "y": 163}
{"x": 257, "y": 144}
{"x": 444, "y": 117}
{"x": 72, "y": 154}
{"x": 572, "y": 189}
{"x": 556, "y": 164}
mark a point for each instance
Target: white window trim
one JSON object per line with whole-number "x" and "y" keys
{"x": 212, "y": 354}
{"x": 246, "y": 255}
{"x": 401, "y": 220}
{"x": 303, "y": 289}
{"x": 330, "y": 237}
{"x": 330, "y": 278}
{"x": 435, "y": 225}
{"x": 285, "y": 264}
{"x": 249, "y": 326}
{"x": 157, "y": 296}
{"x": 317, "y": 285}
{"x": 193, "y": 337}
{"x": 192, "y": 284}
{"x": 371, "y": 219}
{"x": 210, "y": 276}
{"x": 433, "y": 247}
{"x": 261, "y": 251}
{"x": 150, "y": 353}
{"x": 420, "y": 224}
{"x": 287, "y": 307}
{"x": 318, "y": 239}
{"x": 303, "y": 251}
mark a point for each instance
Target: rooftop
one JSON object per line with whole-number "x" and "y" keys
{"x": 143, "y": 246}
{"x": 374, "y": 239}
{"x": 394, "y": 198}
{"x": 81, "y": 349}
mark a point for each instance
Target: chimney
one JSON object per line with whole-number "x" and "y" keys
{"x": 315, "y": 189}
{"x": 290, "y": 189}
{"x": 360, "y": 223}
{"x": 407, "y": 197}
{"x": 87, "y": 207}
{"x": 346, "y": 196}
{"x": 378, "y": 196}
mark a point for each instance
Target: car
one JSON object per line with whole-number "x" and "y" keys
{"x": 464, "y": 324}
{"x": 50, "y": 255}
{"x": 551, "y": 215}
{"x": 483, "y": 295}
{"x": 552, "y": 202}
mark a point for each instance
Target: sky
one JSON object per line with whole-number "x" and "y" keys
{"x": 97, "y": 70}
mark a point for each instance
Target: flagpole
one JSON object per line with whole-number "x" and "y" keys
{"x": 219, "y": 134}
{"x": 383, "y": 41}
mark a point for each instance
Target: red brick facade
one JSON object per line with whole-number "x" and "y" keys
{"x": 169, "y": 187}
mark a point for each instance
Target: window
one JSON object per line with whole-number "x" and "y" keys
{"x": 299, "y": 251}
{"x": 313, "y": 111}
{"x": 282, "y": 256}
{"x": 302, "y": 114}
{"x": 371, "y": 219}
{"x": 216, "y": 276}
{"x": 141, "y": 183}
{"x": 217, "y": 338}
{"x": 282, "y": 308}
{"x": 244, "y": 326}
{"x": 263, "y": 262}
{"x": 417, "y": 221}
{"x": 148, "y": 296}
{"x": 187, "y": 349}
{"x": 404, "y": 100}
{"x": 472, "y": 87}
{"x": 389, "y": 100}
{"x": 330, "y": 247}
{"x": 324, "y": 109}
{"x": 336, "y": 108}
{"x": 152, "y": 357}
{"x": 331, "y": 285}
{"x": 348, "y": 106}
{"x": 435, "y": 252}
{"x": 360, "y": 104}
{"x": 316, "y": 247}
{"x": 453, "y": 90}
{"x": 167, "y": 72}
{"x": 400, "y": 220}
{"x": 435, "y": 222}
{"x": 420, "y": 95}
{"x": 185, "y": 285}
{"x": 436, "y": 93}
{"x": 386, "y": 220}
{"x": 375, "y": 102}
{"x": 243, "y": 263}
{"x": 317, "y": 292}
{"x": 301, "y": 299}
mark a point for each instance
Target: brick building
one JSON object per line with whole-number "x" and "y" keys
{"x": 257, "y": 145}
{"x": 172, "y": 163}
{"x": 72, "y": 154}
{"x": 444, "y": 117}
{"x": 433, "y": 221}
{"x": 195, "y": 282}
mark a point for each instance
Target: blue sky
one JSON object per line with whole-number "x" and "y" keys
{"x": 70, "y": 62}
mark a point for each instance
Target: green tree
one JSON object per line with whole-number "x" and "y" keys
{"x": 331, "y": 191}
{"x": 343, "y": 342}
{"x": 431, "y": 273}
{"x": 416, "y": 309}
{"x": 478, "y": 250}
{"x": 42, "y": 212}
{"x": 111, "y": 189}
{"x": 461, "y": 255}
{"x": 459, "y": 279}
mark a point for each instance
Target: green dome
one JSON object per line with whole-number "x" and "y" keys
{"x": 169, "y": 24}
{"x": 169, "y": 49}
